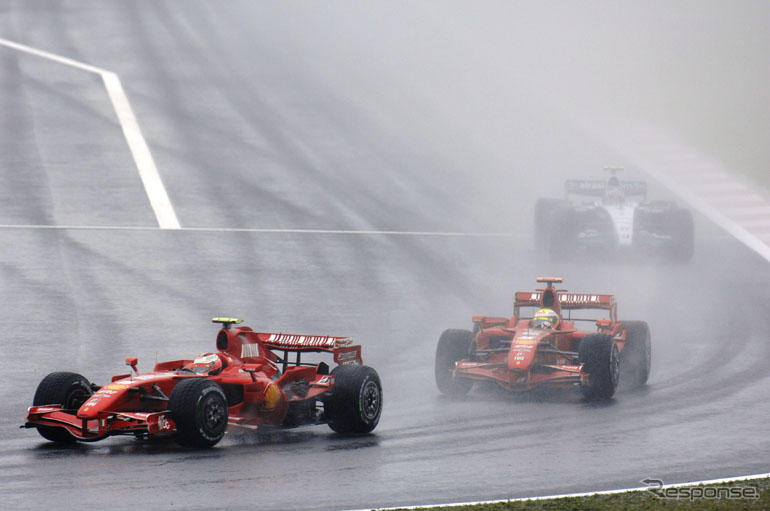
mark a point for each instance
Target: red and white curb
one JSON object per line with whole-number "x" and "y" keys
{"x": 740, "y": 209}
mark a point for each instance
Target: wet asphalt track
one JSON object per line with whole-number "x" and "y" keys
{"x": 267, "y": 143}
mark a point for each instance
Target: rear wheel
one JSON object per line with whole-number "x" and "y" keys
{"x": 599, "y": 356}
{"x": 199, "y": 409}
{"x": 544, "y": 222}
{"x": 355, "y": 402}
{"x": 635, "y": 359}
{"x": 453, "y": 345}
{"x": 562, "y": 235}
{"x": 70, "y": 390}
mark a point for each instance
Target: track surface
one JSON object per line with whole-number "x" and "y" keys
{"x": 276, "y": 117}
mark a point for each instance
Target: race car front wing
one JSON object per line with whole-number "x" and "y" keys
{"x": 105, "y": 424}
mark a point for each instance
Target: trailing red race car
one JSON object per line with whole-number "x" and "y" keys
{"x": 250, "y": 381}
{"x": 545, "y": 349}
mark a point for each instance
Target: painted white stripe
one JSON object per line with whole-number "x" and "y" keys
{"x": 267, "y": 231}
{"x": 355, "y": 232}
{"x": 752, "y": 223}
{"x": 573, "y": 495}
{"x": 153, "y": 185}
{"x": 745, "y": 199}
{"x": 50, "y": 56}
{"x": 148, "y": 172}
{"x": 748, "y": 211}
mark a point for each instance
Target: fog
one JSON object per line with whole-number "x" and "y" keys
{"x": 267, "y": 119}
{"x": 492, "y": 92}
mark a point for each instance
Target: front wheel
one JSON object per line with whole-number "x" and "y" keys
{"x": 354, "y": 404}
{"x": 453, "y": 345}
{"x": 199, "y": 409}
{"x": 599, "y": 356}
{"x": 70, "y": 390}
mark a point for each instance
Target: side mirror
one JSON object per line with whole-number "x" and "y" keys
{"x": 251, "y": 369}
{"x": 132, "y": 361}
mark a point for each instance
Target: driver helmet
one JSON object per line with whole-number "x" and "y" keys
{"x": 545, "y": 318}
{"x": 207, "y": 363}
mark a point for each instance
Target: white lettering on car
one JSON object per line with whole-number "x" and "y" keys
{"x": 249, "y": 350}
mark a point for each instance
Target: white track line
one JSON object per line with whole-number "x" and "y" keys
{"x": 148, "y": 172}
{"x": 573, "y": 495}
{"x": 263, "y": 231}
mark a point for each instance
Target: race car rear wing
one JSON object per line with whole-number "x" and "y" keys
{"x": 567, "y": 301}
{"x": 343, "y": 349}
{"x": 295, "y": 342}
{"x": 597, "y": 187}
{"x": 243, "y": 342}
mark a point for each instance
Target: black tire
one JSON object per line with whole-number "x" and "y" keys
{"x": 682, "y": 230}
{"x": 562, "y": 235}
{"x": 199, "y": 409}
{"x": 636, "y": 357}
{"x": 600, "y": 220}
{"x": 70, "y": 390}
{"x": 543, "y": 222}
{"x": 354, "y": 404}
{"x": 599, "y": 356}
{"x": 453, "y": 345}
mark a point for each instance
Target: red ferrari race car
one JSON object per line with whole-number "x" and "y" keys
{"x": 253, "y": 379}
{"x": 544, "y": 349}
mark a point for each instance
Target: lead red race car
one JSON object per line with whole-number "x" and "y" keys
{"x": 541, "y": 346}
{"x": 252, "y": 380}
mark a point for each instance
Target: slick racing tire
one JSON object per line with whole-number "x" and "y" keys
{"x": 354, "y": 404}
{"x": 600, "y": 359}
{"x": 636, "y": 357}
{"x": 562, "y": 235}
{"x": 70, "y": 390}
{"x": 199, "y": 409}
{"x": 543, "y": 222}
{"x": 453, "y": 345}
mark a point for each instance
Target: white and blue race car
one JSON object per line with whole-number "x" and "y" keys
{"x": 599, "y": 218}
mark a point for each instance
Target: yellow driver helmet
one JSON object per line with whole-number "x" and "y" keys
{"x": 545, "y": 318}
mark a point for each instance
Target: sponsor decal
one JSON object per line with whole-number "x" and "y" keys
{"x": 163, "y": 423}
{"x": 524, "y": 340}
{"x": 571, "y": 298}
{"x": 584, "y": 186}
{"x": 347, "y": 355}
{"x": 575, "y": 298}
{"x": 302, "y": 340}
{"x": 91, "y": 402}
{"x": 142, "y": 377}
{"x": 326, "y": 380}
{"x": 249, "y": 350}
{"x": 116, "y": 386}
{"x": 106, "y": 392}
